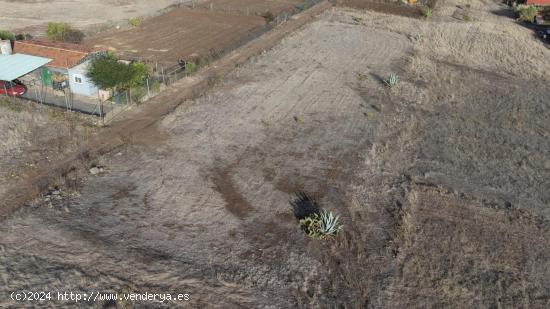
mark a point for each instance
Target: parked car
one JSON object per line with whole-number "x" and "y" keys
{"x": 12, "y": 89}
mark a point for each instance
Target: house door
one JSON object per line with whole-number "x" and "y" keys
{"x": 46, "y": 77}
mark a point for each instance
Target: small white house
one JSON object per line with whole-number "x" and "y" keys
{"x": 68, "y": 67}
{"x": 79, "y": 82}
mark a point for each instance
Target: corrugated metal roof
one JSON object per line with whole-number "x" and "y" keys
{"x": 15, "y": 66}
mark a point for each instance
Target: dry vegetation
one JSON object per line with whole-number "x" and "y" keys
{"x": 441, "y": 180}
{"x": 31, "y": 135}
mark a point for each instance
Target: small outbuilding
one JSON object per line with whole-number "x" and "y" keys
{"x": 68, "y": 68}
{"x": 79, "y": 81}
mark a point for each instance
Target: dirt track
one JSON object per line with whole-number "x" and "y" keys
{"x": 441, "y": 180}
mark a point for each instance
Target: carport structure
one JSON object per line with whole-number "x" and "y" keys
{"x": 22, "y": 66}
{"x": 14, "y": 66}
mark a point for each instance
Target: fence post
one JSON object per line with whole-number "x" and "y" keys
{"x": 101, "y": 115}
{"x": 66, "y": 101}
{"x": 148, "y": 90}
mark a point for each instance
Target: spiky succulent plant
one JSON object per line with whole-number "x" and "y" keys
{"x": 391, "y": 80}
{"x": 323, "y": 225}
{"x": 329, "y": 224}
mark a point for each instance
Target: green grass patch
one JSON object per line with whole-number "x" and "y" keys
{"x": 135, "y": 21}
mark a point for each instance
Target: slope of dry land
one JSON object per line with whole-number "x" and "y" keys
{"x": 441, "y": 181}
{"x": 33, "y": 135}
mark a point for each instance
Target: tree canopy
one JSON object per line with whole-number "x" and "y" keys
{"x": 107, "y": 72}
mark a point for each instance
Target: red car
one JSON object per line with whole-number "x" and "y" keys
{"x": 12, "y": 89}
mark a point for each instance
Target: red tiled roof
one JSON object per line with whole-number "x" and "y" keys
{"x": 64, "y": 55}
{"x": 538, "y": 2}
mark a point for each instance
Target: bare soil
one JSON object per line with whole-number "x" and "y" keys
{"x": 250, "y": 7}
{"x": 32, "y": 15}
{"x": 441, "y": 181}
{"x": 177, "y": 34}
{"x": 402, "y": 8}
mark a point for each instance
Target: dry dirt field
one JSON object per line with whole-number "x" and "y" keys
{"x": 441, "y": 181}
{"x": 176, "y": 34}
{"x": 32, "y": 15}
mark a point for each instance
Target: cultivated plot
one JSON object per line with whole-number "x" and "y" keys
{"x": 177, "y": 34}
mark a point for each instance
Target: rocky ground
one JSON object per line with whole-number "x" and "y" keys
{"x": 441, "y": 181}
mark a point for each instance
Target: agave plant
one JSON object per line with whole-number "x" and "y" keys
{"x": 323, "y": 225}
{"x": 391, "y": 80}
{"x": 427, "y": 13}
{"x": 329, "y": 224}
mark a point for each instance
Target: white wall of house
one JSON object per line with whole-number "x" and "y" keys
{"x": 80, "y": 83}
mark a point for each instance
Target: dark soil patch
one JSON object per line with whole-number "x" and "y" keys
{"x": 396, "y": 8}
{"x": 235, "y": 202}
{"x": 123, "y": 192}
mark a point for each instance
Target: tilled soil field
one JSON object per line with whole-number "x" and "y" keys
{"x": 441, "y": 180}
{"x": 252, "y": 7}
{"x": 177, "y": 34}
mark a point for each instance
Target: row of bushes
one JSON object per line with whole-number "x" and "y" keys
{"x": 7, "y": 35}
{"x": 57, "y": 32}
{"x": 63, "y": 32}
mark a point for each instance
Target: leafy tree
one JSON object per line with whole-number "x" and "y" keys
{"x": 6, "y": 35}
{"x": 107, "y": 72}
{"x": 138, "y": 74}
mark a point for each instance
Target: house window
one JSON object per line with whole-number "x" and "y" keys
{"x": 78, "y": 78}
